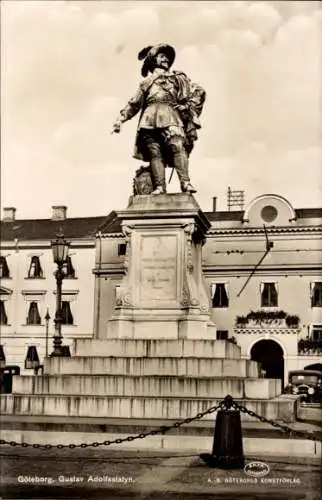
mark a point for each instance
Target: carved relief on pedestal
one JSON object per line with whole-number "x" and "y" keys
{"x": 185, "y": 301}
{"x": 189, "y": 229}
{"x": 190, "y": 292}
{"x": 125, "y": 294}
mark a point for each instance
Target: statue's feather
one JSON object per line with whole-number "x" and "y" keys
{"x": 144, "y": 52}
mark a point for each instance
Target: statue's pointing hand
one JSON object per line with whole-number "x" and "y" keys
{"x": 116, "y": 127}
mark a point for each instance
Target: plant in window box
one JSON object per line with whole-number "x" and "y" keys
{"x": 241, "y": 321}
{"x": 301, "y": 345}
{"x": 319, "y": 345}
{"x": 309, "y": 345}
{"x": 292, "y": 321}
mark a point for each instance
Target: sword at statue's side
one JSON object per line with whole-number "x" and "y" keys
{"x": 171, "y": 175}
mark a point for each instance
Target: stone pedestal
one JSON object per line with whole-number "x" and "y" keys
{"x": 163, "y": 293}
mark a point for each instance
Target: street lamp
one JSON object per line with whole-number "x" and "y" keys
{"x": 47, "y": 318}
{"x": 60, "y": 254}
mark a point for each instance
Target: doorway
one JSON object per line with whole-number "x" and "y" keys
{"x": 270, "y": 356}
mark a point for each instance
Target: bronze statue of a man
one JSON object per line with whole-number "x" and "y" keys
{"x": 170, "y": 106}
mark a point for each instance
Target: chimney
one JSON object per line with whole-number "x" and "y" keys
{"x": 59, "y": 212}
{"x": 9, "y": 214}
{"x": 214, "y": 204}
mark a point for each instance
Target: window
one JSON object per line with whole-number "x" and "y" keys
{"x": 68, "y": 269}
{"x": 219, "y": 292}
{"x": 269, "y": 213}
{"x": 317, "y": 332}
{"x": 269, "y": 295}
{"x": 33, "y": 314}
{"x": 67, "y": 317}
{"x": 316, "y": 294}
{"x": 121, "y": 249}
{"x": 4, "y": 269}
{"x": 222, "y": 334}
{"x": 35, "y": 270}
{"x": 3, "y": 315}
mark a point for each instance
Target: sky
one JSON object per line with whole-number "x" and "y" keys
{"x": 68, "y": 67}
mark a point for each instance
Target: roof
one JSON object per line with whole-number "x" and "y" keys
{"x": 87, "y": 227}
{"x": 303, "y": 213}
{"x": 227, "y": 215}
{"x": 47, "y": 229}
{"x": 237, "y": 215}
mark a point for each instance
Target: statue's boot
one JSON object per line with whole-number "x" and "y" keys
{"x": 187, "y": 187}
{"x": 158, "y": 190}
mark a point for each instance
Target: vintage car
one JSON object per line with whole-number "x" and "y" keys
{"x": 307, "y": 384}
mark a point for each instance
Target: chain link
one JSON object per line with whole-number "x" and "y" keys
{"x": 161, "y": 430}
{"x": 292, "y": 432}
{"x": 227, "y": 403}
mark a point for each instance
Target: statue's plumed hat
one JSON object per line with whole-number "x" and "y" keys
{"x": 150, "y": 52}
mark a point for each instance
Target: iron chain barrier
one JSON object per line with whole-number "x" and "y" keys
{"x": 227, "y": 403}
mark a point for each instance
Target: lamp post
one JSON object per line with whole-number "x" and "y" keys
{"x": 47, "y": 318}
{"x": 60, "y": 254}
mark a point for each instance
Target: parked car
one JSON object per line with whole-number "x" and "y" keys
{"x": 307, "y": 384}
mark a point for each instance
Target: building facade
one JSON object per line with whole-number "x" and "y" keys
{"x": 263, "y": 271}
{"x": 262, "y": 266}
{"x": 28, "y": 285}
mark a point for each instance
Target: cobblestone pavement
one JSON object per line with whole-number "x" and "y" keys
{"x": 126, "y": 475}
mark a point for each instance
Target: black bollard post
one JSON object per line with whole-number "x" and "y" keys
{"x": 227, "y": 449}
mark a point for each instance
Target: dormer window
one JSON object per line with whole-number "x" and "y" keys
{"x": 4, "y": 269}
{"x": 35, "y": 270}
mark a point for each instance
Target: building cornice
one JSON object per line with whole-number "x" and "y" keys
{"x": 271, "y": 230}
{"x": 110, "y": 235}
{"x": 287, "y": 270}
{"x": 267, "y": 330}
{"x": 44, "y": 244}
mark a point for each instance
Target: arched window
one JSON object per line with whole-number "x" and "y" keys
{"x": 33, "y": 314}
{"x": 67, "y": 317}
{"x": 35, "y": 270}
{"x": 4, "y": 269}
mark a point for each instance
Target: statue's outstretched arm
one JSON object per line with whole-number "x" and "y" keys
{"x": 130, "y": 110}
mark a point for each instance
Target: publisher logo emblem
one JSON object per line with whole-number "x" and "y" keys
{"x": 256, "y": 469}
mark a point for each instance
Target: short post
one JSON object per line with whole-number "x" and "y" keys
{"x": 227, "y": 451}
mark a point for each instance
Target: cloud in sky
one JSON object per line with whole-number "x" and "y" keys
{"x": 68, "y": 67}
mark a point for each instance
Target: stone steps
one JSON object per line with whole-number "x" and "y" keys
{"x": 128, "y": 386}
{"x": 136, "y": 407}
{"x": 170, "y": 348}
{"x": 191, "y": 366}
